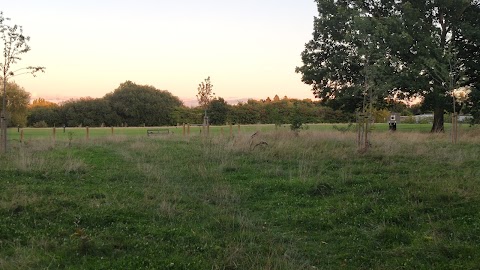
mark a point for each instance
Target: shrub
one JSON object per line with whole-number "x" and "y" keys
{"x": 40, "y": 124}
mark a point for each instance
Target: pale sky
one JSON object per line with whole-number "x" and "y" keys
{"x": 249, "y": 48}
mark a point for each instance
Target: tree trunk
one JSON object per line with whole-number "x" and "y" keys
{"x": 438, "y": 119}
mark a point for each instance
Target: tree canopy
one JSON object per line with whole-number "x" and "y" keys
{"x": 17, "y": 101}
{"x": 391, "y": 49}
{"x": 205, "y": 93}
{"x": 218, "y": 111}
{"x": 96, "y": 112}
{"x": 142, "y": 104}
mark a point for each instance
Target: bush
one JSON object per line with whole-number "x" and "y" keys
{"x": 40, "y": 124}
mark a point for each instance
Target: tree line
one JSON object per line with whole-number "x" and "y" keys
{"x": 142, "y": 105}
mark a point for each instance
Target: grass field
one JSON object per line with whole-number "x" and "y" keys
{"x": 310, "y": 201}
{"x": 80, "y": 133}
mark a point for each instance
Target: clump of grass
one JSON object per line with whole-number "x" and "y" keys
{"x": 72, "y": 165}
{"x": 167, "y": 209}
{"x": 29, "y": 161}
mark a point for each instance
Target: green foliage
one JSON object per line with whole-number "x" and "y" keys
{"x": 141, "y": 104}
{"x": 388, "y": 47}
{"x": 41, "y": 102}
{"x": 329, "y": 115}
{"x": 281, "y": 111}
{"x": 52, "y": 116}
{"x": 97, "y": 112}
{"x": 245, "y": 113}
{"x": 187, "y": 115}
{"x": 348, "y": 53}
{"x": 205, "y": 93}
{"x": 474, "y": 105}
{"x": 87, "y": 112}
{"x": 130, "y": 104}
{"x": 17, "y": 104}
{"x": 470, "y": 55}
{"x": 297, "y": 119}
{"x": 218, "y": 111}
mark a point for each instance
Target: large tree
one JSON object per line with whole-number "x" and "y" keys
{"x": 470, "y": 55}
{"x": 346, "y": 57}
{"x": 443, "y": 32}
{"x": 142, "y": 104}
{"x": 383, "y": 48}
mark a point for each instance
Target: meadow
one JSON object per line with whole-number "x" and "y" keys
{"x": 277, "y": 200}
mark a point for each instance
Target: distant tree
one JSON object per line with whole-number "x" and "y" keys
{"x": 17, "y": 104}
{"x": 276, "y": 98}
{"x": 205, "y": 94}
{"x": 41, "y": 102}
{"x": 245, "y": 113}
{"x": 39, "y": 114}
{"x": 297, "y": 119}
{"x": 186, "y": 115}
{"x": 329, "y": 115}
{"x": 142, "y": 104}
{"x": 219, "y": 109}
{"x": 42, "y": 112}
{"x": 276, "y": 118}
{"x": 307, "y": 110}
{"x": 92, "y": 112}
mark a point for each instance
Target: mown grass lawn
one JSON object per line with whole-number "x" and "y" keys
{"x": 297, "y": 202}
{"x": 78, "y": 133}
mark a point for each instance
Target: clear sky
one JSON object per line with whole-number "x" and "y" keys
{"x": 249, "y": 48}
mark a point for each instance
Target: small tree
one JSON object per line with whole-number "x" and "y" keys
{"x": 205, "y": 96}
{"x": 297, "y": 119}
{"x": 14, "y": 44}
{"x": 17, "y": 105}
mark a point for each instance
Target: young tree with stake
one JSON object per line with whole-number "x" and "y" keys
{"x": 14, "y": 44}
{"x": 205, "y": 96}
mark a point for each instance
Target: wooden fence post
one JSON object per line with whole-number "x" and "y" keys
{"x": 238, "y": 128}
{"x": 54, "y": 134}
{"x": 111, "y": 131}
{"x": 21, "y": 136}
{"x": 231, "y": 130}
{"x": 88, "y": 133}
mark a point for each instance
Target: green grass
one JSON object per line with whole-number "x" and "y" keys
{"x": 61, "y": 134}
{"x": 301, "y": 202}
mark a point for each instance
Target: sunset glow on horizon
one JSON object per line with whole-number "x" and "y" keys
{"x": 249, "y": 48}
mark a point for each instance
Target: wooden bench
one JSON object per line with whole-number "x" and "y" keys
{"x": 157, "y": 131}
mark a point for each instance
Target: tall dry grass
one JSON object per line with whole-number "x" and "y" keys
{"x": 36, "y": 156}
